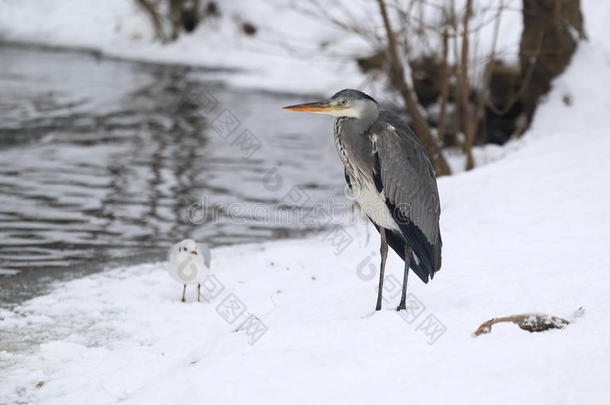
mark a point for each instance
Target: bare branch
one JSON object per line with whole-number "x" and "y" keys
{"x": 444, "y": 96}
{"x": 524, "y": 82}
{"x": 469, "y": 122}
{"x": 155, "y": 17}
{"x": 421, "y": 127}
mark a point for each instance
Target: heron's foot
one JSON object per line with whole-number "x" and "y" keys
{"x": 378, "y": 307}
{"x": 183, "y": 299}
{"x": 401, "y": 306}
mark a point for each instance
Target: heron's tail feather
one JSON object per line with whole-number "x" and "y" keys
{"x": 397, "y": 243}
{"x": 428, "y": 255}
{"x": 418, "y": 263}
{"x": 427, "y": 258}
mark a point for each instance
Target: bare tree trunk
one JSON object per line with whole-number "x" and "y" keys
{"x": 547, "y": 44}
{"x": 155, "y": 18}
{"x": 182, "y": 15}
{"x": 444, "y": 89}
{"x": 175, "y": 14}
{"x": 469, "y": 120}
{"x": 421, "y": 127}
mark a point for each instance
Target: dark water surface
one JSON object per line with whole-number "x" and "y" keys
{"x": 106, "y": 162}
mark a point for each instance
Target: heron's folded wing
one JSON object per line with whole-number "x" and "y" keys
{"x": 409, "y": 184}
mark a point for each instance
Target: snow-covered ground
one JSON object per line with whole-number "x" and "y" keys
{"x": 527, "y": 233}
{"x": 284, "y": 55}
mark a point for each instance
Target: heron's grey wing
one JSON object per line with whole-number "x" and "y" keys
{"x": 205, "y": 252}
{"x": 406, "y": 177}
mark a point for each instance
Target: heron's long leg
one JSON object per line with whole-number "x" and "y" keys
{"x": 184, "y": 293}
{"x": 403, "y": 297}
{"x": 198, "y": 292}
{"x": 384, "y": 254}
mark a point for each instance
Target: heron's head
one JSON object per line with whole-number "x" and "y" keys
{"x": 187, "y": 246}
{"x": 346, "y": 103}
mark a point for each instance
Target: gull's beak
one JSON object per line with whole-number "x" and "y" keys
{"x": 320, "y": 107}
{"x": 193, "y": 252}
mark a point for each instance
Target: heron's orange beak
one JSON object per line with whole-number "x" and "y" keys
{"x": 323, "y": 107}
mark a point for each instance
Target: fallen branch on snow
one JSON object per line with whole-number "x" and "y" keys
{"x": 528, "y": 322}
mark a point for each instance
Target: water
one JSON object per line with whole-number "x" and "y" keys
{"x": 106, "y": 162}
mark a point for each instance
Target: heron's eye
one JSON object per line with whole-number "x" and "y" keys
{"x": 343, "y": 102}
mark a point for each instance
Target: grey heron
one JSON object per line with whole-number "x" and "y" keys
{"x": 388, "y": 171}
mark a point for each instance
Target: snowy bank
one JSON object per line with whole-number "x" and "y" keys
{"x": 283, "y": 56}
{"x": 294, "y": 48}
{"x": 528, "y": 233}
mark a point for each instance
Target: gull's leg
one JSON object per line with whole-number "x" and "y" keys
{"x": 384, "y": 254}
{"x": 184, "y": 293}
{"x": 198, "y": 292}
{"x": 403, "y": 297}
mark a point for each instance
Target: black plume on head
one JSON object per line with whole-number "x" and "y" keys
{"x": 354, "y": 95}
